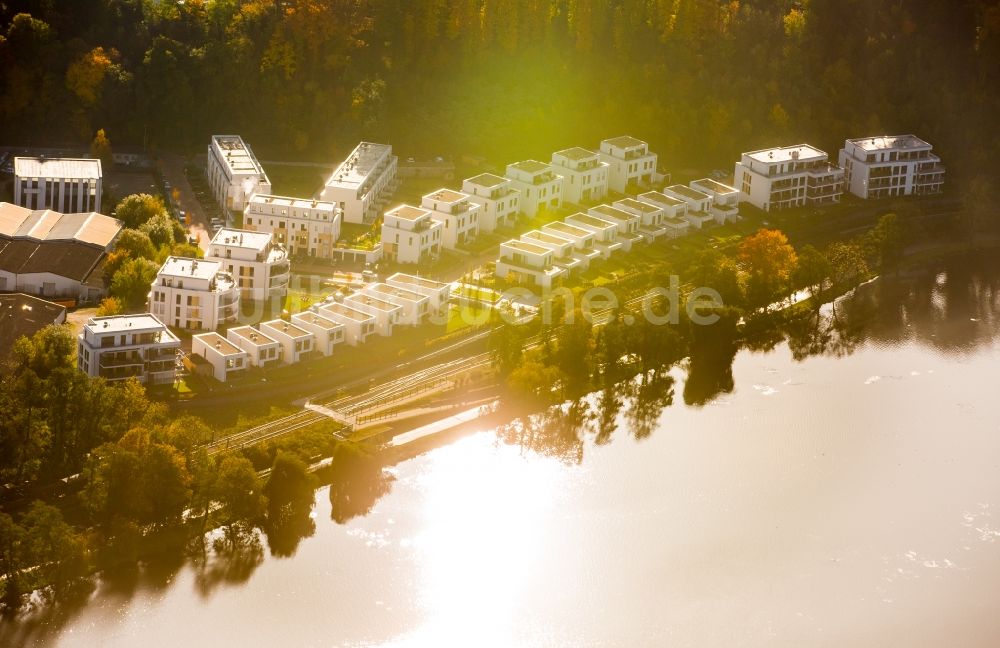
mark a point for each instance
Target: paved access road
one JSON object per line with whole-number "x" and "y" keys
{"x": 172, "y": 168}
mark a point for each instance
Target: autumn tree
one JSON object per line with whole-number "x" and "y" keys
{"x": 769, "y": 261}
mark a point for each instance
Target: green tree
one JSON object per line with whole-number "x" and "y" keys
{"x": 136, "y": 209}
{"x": 55, "y": 549}
{"x": 11, "y": 561}
{"x": 847, "y": 263}
{"x": 289, "y": 488}
{"x": 131, "y": 283}
{"x": 136, "y": 244}
{"x": 160, "y": 230}
{"x": 886, "y": 241}
{"x": 812, "y": 271}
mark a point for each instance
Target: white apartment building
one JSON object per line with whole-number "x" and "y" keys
{"x": 305, "y": 227}
{"x": 650, "y": 218}
{"x": 128, "y": 346}
{"x": 627, "y": 223}
{"x": 539, "y": 186}
{"x": 583, "y": 240}
{"x": 194, "y": 294}
{"x": 225, "y": 358}
{"x": 411, "y": 235}
{"x": 414, "y": 306}
{"x": 562, "y": 250}
{"x": 524, "y": 262}
{"x": 674, "y": 212}
{"x": 360, "y": 186}
{"x": 257, "y": 264}
{"x": 65, "y": 185}
{"x": 262, "y": 350}
{"x": 585, "y": 175}
{"x": 725, "y": 199}
{"x": 357, "y": 324}
{"x": 233, "y": 173}
{"x": 630, "y": 162}
{"x": 296, "y": 343}
{"x": 499, "y": 200}
{"x": 326, "y": 333}
{"x": 605, "y": 233}
{"x": 790, "y": 176}
{"x": 891, "y": 165}
{"x": 458, "y": 214}
{"x": 385, "y": 313}
{"x": 699, "y": 205}
{"x": 436, "y": 292}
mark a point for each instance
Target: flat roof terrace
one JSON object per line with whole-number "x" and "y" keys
{"x": 546, "y": 238}
{"x": 613, "y": 212}
{"x": 288, "y": 201}
{"x": 252, "y": 335}
{"x": 662, "y": 198}
{"x": 359, "y": 166}
{"x": 219, "y": 343}
{"x": 408, "y": 212}
{"x": 632, "y": 203}
{"x": 317, "y": 320}
{"x": 687, "y": 192}
{"x": 530, "y": 166}
{"x": 414, "y": 280}
{"x": 287, "y": 328}
{"x": 347, "y": 311}
{"x": 447, "y": 195}
{"x": 566, "y": 228}
{"x": 386, "y": 289}
{"x": 126, "y": 323}
{"x": 625, "y": 141}
{"x": 592, "y": 221}
{"x": 522, "y": 246}
{"x": 487, "y": 180}
{"x": 576, "y": 153}
{"x": 237, "y": 155}
{"x": 187, "y": 267}
{"x": 715, "y": 186}
{"x": 241, "y": 239}
{"x": 374, "y": 302}
{"x": 883, "y": 142}
{"x": 798, "y": 153}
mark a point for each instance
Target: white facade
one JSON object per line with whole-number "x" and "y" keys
{"x": 128, "y": 346}
{"x": 436, "y": 292}
{"x": 499, "y": 200}
{"x": 357, "y": 325}
{"x": 725, "y": 205}
{"x": 699, "y": 205}
{"x": 674, "y": 212}
{"x": 528, "y": 263}
{"x": 414, "y": 306}
{"x": 562, "y": 250}
{"x": 539, "y": 186}
{"x": 304, "y": 227}
{"x": 326, "y": 333}
{"x": 262, "y": 350}
{"x": 891, "y": 165}
{"x": 458, "y": 215}
{"x": 650, "y": 218}
{"x": 630, "y": 162}
{"x": 585, "y": 175}
{"x": 226, "y": 358}
{"x": 791, "y": 176}
{"x": 362, "y": 183}
{"x": 296, "y": 343}
{"x": 385, "y": 313}
{"x": 194, "y": 294}
{"x": 583, "y": 240}
{"x": 258, "y": 265}
{"x": 605, "y": 233}
{"x": 411, "y": 235}
{"x": 233, "y": 173}
{"x": 64, "y": 185}
{"x": 628, "y": 223}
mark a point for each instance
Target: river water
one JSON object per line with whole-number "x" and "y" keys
{"x": 851, "y": 497}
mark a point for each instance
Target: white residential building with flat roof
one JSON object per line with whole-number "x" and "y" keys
{"x": 414, "y": 305}
{"x": 605, "y": 232}
{"x": 128, "y": 346}
{"x": 233, "y": 173}
{"x": 562, "y": 249}
{"x": 411, "y": 234}
{"x": 891, "y": 165}
{"x": 627, "y": 223}
{"x": 585, "y": 175}
{"x": 539, "y": 186}
{"x": 582, "y": 239}
{"x": 296, "y": 343}
{"x": 524, "y": 262}
{"x": 194, "y": 294}
{"x": 66, "y": 185}
{"x": 650, "y": 217}
{"x": 262, "y": 349}
{"x": 305, "y": 227}
{"x": 674, "y": 212}
{"x": 257, "y": 264}
{"x": 499, "y": 200}
{"x": 725, "y": 199}
{"x": 699, "y": 205}
{"x": 226, "y": 358}
{"x": 437, "y": 293}
{"x": 358, "y": 325}
{"x": 362, "y": 183}
{"x": 386, "y": 314}
{"x": 326, "y": 333}
{"x": 630, "y": 163}
{"x": 789, "y": 176}
{"x": 457, "y": 213}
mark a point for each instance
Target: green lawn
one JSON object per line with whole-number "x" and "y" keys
{"x": 297, "y": 181}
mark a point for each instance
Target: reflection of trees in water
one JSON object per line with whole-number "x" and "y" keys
{"x": 238, "y": 553}
{"x": 557, "y": 432}
{"x": 359, "y": 480}
{"x": 652, "y": 393}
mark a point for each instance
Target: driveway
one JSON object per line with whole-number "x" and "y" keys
{"x": 172, "y": 168}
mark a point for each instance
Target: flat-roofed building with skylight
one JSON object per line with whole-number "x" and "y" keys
{"x": 226, "y": 359}
{"x": 233, "y": 172}
{"x": 262, "y": 349}
{"x": 361, "y": 184}
{"x": 499, "y": 200}
{"x": 788, "y": 176}
{"x": 296, "y": 342}
{"x": 358, "y": 325}
{"x": 326, "y": 333}
{"x": 66, "y": 185}
{"x": 891, "y": 165}
{"x": 119, "y": 347}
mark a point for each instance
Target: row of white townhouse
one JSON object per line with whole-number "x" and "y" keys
{"x": 376, "y": 309}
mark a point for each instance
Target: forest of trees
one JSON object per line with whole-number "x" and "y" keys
{"x": 700, "y": 79}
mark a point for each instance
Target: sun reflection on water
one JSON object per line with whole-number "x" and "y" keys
{"x": 484, "y": 515}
